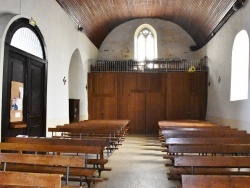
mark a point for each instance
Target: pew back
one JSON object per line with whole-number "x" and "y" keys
{"x": 215, "y": 149}
{"x": 18, "y": 179}
{"x": 208, "y": 140}
{"x": 213, "y": 161}
{"x": 54, "y": 141}
{"x": 48, "y": 160}
{"x": 215, "y": 181}
{"x": 20, "y": 147}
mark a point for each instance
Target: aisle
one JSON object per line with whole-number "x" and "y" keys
{"x": 137, "y": 164}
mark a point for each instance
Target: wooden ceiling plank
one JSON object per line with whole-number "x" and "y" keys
{"x": 99, "y": 17}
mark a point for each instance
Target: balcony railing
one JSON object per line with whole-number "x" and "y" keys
{"x": 147, "y": 66}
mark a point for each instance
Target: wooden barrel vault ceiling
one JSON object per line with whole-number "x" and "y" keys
{"x": 201, "y": 19}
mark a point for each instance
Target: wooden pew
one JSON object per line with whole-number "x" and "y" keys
{"x": 210, "y": 131}
{"x": 122, "y": 126}
{"x": 190, "y": 128}
{"x": 176, "y": 173}
{"x": 83, "y": 132}
{"x": 52, "y": 141}
{"x": 206, "y": 129}
{"x": 186, "y": 123}
{"x": 167, "y": 129}
{"x": 204, "y": 134}
{"x": 215, "y": 128}
{"x": 55, "y": 164}
{"x": 100, "y": 160}
{"x": 230, "y": 149}
{"x": 209, "y": 165}
{"x": 61, "y": 149}
{"x": 100, "y": 127}
{"x": 194, "y": 162}
{"x": 204, "y": 150}
{"x": 193, "y": 139}
{"x": 213, "y": 161}
{"x": 207, "y": 141}
{"x": 20, "y": 179}
{"x": 42, "y": 140}
{"x": 215, "y": 181}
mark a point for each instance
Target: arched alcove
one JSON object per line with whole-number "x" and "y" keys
{"x": 77, "y": 83}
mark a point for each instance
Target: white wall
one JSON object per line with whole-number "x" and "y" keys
{"x": 173, "y": 41}
{"x": 61, "y": 38}
{"x": 219, "y": 51}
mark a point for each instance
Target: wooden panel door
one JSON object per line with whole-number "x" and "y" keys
{"x": 125, "y": 81}
{"x": 137, "y": 102}
{"x": 74, "y": 108}
{"x": 35, "y": 105}
{"x": 199, "y": 106}
{"x": 102, "y": 95}
{"x": 137, "y": 111}
{"x": 199, "y": 95}
{"x": 31, "y": 71}
{"x": 199, "y": 82}
{"x": 155, "y": 111}
{"x": 94, "y": 100}
{"x": 178, "y": 95}
{"x": 109, "y": 108}
{"x": 155, "y": 102}
{"x": 14, "y": 70}
{"x": 95, "y": 107}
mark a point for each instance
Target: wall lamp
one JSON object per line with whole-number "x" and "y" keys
{"x": 80, "y": 28}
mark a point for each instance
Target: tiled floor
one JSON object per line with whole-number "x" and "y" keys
{"x": 138, "y": 163}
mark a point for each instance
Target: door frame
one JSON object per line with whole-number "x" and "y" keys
{"x": 6, "y": 87}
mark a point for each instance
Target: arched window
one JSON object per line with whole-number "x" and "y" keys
{"x": 240, "y": 67}
{"x": 25, "y": 39}
{"x": 145, "y": 43}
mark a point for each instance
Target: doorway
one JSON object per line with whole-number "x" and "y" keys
{"x": 25, "y": 64}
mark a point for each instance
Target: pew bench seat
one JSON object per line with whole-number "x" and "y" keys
{"x": 206, "y": 165}
{"x": 55, "y": 164}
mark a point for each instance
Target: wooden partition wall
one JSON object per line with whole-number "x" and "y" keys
{"x": 146, "y": 98}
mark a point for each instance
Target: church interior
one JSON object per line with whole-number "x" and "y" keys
{"x": 147, "y": 93}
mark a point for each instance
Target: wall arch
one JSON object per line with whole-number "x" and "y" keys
{"x": 23, "y": 67}
{"x": 5, "y": 22}
{"x": 172, "y": 41}
{"x": 77, "y": 83}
